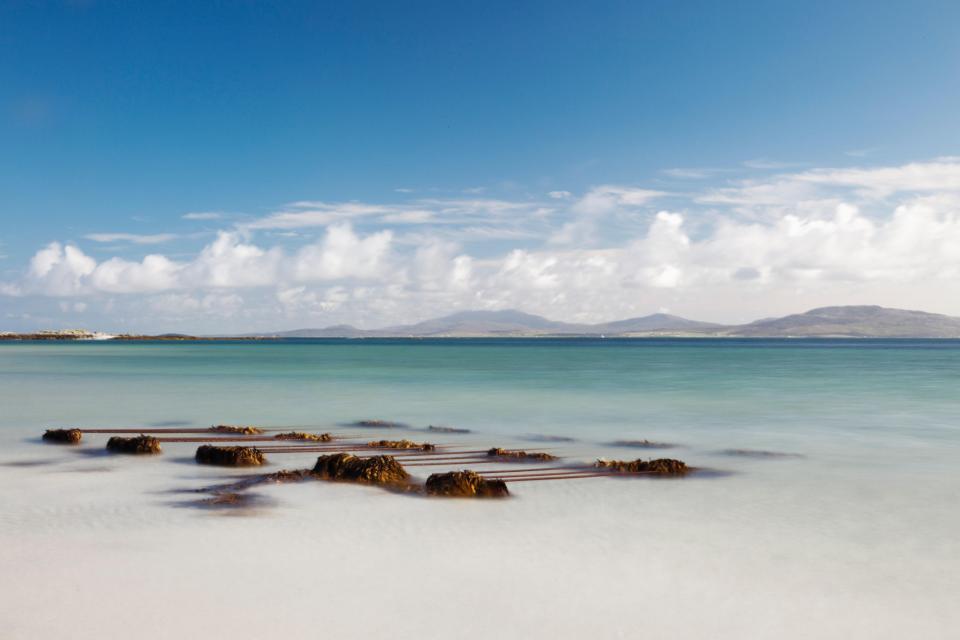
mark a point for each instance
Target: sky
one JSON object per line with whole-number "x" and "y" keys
{"x": 244, "y": 166}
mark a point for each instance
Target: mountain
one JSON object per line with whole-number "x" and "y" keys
{"x": 854, "y": 322}
{"x": 653, "y": 323}
{"x": 509, "y": 323}
{"x": 846, "y": 322}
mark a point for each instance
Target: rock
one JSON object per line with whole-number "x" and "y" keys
{"x": 63, "y": 436}
{"x": 230, "y": 456}
{"x": 438, "y": 429}
{"x": 242, "y": 430}
{"x": 300, "y": 435}
{"x": 138, "y": 445}
{"x": 520, "y": 455}
{"x": 402, "y": 444}
{"x": 758, "y": 453}
{"x": 465, "y": 484}
{"x": 658, "y": 467}
{"x": 378, "y": 424}
{"x": 643, "y": 444}
{"x": 348, "y": 467}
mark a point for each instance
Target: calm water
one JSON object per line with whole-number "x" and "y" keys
{"x": 853, "y": 537}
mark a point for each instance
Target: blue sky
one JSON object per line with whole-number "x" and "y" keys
{"x": 540, "y": 144}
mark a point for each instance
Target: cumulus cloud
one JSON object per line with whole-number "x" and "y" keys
{"x": 887, "y": 235}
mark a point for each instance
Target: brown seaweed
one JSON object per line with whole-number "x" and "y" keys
{"x": 238, "y": 429}
{"x": 300, "y": 435}
{"x": 141, "y": 444}
{"x": 499, "y": 452}
{"x": 402, "y": 444}
{"x": 63, "y": 436}
{"x": 348, "y": 467}
{"x": 465, "y": 484}
{"x": 230, "y": 456}
{"x": 659, "y": 467}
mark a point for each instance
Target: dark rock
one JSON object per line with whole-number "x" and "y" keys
{"x": 378, "y": 424}
{"x": 659, "y": 467}
{"x": 402, "y": 444}
{"x": 300, "y": 435}
{"x": 465, "y": 484}
{"x": 230, "y": 456}
{"x": 241, "y": 430}
{"x": 520, "y": 455}
{"x": 643, "y": 444}
{"x": 757, "y": 453}
{"x": 439, "y": 429}
{"x": 63, "y": 436}
{"x": 348, "y": 467}
{"x": 140, "y": 444}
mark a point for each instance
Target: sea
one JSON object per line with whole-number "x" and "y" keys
{"x": 826, "y": 502}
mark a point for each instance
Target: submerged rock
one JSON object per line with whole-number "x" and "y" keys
{"x": 660, "y": 466}
{"x": 230, "y": 456}
{"x": 402, "y": 444}
{"x": 300, "y": 435}
{"x": 63, "y": 436}
{"x": 758, "y": 453}
{"x": 241, "y": 430}
{"x": 440, "y": 429}
{"x": 465, "y": 484}
{"x": 520, "y": 455}
{"x": 643, "y": 444}
{"x": 378, "y": 424}
{"x": 139, "y": 445}
{"x": 348, "y": 467}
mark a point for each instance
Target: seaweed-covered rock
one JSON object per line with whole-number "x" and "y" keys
{"x": 465, "y": 484}
{"x": 63, "y": 436}
{"x": 659, "y": 467}
{"x": 300, "y": 435}
{"x": 139, "y": 445}
{"x": 402, "y": 444}
{"x": 230, "y": 456}
{"x": 348, "y": 467}
{"x": 378, "y": 424}
{"x": 440, "y": 429}
{"x": 237, "y": 429}
{"x": 510, "y": 454}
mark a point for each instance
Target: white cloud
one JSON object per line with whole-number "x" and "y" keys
{"x": 560, "y": 195}
{"x": 135, "y": 238}
{"x": 886, "y": 235}
{"x": 203, "y": 215}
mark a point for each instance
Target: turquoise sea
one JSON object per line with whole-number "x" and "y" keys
{"x": 840, "y": 519}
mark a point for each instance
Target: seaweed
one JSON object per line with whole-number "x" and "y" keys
{"x": 230, "y": 456}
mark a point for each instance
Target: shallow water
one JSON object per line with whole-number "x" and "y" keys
{"x": 853, "y": 536}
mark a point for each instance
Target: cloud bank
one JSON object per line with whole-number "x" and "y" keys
{"x": 734, "y": 251}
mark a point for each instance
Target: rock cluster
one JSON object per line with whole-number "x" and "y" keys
{"x": 140, "y": 444}
{"x": 402, "y": 444}
{"x": 242, "y": 430}
{"x": 300, "y": 435}
{"x": 63, "y": 436}
{"x": 659, "y": 467}
{"x": 230, "y": 456}
{"x": 465, "y": 484}
{"x": 499, "y": 452}
{"x": 348, "y": 467}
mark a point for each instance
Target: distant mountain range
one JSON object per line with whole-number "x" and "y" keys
{"x": 846, "y": 322}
